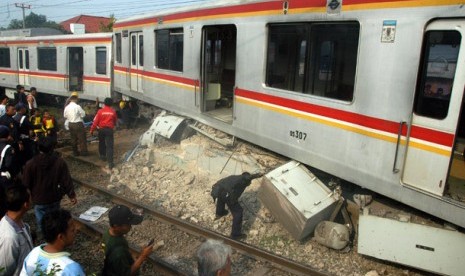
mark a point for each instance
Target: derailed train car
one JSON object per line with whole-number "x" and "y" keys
{"x": 369, "y": 91}
{"x": 58, "y": 64}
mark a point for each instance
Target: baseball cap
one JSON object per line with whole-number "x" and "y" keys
{"x": 121, "y": 214}
{"x": 76, "y": 94}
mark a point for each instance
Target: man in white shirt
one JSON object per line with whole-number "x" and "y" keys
{"x": 75, "y": 115}
{"x": 15, "y": 239}
{"x": 31, "y": 100}
{"x": 3, "y": 101}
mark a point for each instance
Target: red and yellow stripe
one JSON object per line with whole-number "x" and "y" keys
{"x": 181, "y": 82}
{"x": 420, "y": 137}
{"x": 51, "y": 41}
{"x": 96, "y": 80}
{"x": 276, "y": 8}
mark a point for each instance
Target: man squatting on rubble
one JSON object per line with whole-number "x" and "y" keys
{"x": 105, "y": 122}
{"x": 227, "y": 192}
{"x": 214, "y": 259}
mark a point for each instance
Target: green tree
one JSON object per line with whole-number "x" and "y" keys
{"x": 108, "y": 28}
{"x": 34, "y": 20}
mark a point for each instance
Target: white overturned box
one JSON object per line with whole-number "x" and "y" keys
{"x": 297, "y": 198}
{"x": 429, "y": 248}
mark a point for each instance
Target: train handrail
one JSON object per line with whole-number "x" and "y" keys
{"x": 399, "y": 134}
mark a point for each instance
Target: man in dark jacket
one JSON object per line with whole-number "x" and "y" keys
{"x": 47, "y": 177}
{"x": 8, "y": 121}
{"x": 228, "y": 191}
{"x": 9, "y": 167}
{"x": 20, "y": 95}
{"x": 25, "y": 132}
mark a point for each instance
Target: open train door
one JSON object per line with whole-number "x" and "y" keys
{"x": 219, "y": 71}
{"x": 23, "y": 66}
{"x": 75, "y": 68}
{"x": 137, "y": 61}
{"x": 437, "y": 109}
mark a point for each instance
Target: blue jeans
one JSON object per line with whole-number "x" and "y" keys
{"x": 40, "y": 210}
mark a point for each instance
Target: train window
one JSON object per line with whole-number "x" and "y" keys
{"x": 169, "y": 49}
{"x": 118, "y": 48}
{"x": 5, "y": 57}
{"x": 47, "y": 59}
{"x": 27, "y": 58}
{"x": 313, "y": 58}
{"x": 101, "y": 60}
{"x": 141, "y": 50}
{"x": 437, "y": 71}
{"x": 133, "y": 50}
{"x": 20, "y": 60}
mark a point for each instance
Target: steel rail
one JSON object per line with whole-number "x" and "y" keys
{"x": 255, "y": 252}
{"x": 159, "y": 264}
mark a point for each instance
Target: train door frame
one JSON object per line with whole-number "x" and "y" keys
{"x": 23, "y": 66}
{"x": 75, "y": 68}
{"x": 218, "y": 71}
{"x": 136, "y": 60}
{"x": 427, "y": 164}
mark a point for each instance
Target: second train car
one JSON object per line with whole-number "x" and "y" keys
{"x": 58, "y": 64}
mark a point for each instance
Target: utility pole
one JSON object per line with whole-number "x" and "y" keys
{"x": 23, "y": 7}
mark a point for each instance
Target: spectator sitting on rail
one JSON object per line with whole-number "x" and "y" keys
{"x": 15, "y": 240}
{"x": 3, "y": 102}
{"x": 128, "y": 111}
{"x": 118, "y": 259}
{"x": 31, "y": 100}
{"x": 50, "y": 126}
{"x": 20, "y": 96}
{"x": 50, "y": 258}
{"x": 214, "y": 258}
{"x": 48, "y": 178}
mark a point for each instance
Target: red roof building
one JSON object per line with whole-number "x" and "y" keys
{"x": 92, "y": 23}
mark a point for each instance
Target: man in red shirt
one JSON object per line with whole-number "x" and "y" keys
{"x": 105, "y": 122}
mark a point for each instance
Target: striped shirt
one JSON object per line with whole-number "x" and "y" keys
{"x": 58, "y": 264}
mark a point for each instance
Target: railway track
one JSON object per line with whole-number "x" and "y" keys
{"x": 271, "y": 261}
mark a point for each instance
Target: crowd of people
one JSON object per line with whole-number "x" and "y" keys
{"x": 34, "y": 176}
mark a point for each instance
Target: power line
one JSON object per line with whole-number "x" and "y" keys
{"x": 120, "y": 9}
{"x": 23, "y": 7}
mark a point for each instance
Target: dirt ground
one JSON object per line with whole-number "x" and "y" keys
{"x": 177, "y": 178}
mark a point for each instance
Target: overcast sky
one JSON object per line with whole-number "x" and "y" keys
{"x": 61, "y": 10}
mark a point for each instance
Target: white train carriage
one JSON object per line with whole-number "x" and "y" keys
{"x": 58, "y": 64}
{"x": 369, "y": 91}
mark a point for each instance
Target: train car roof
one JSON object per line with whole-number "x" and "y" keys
{"x": 57, "y": 37}
{"x": 196, "y": 6}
